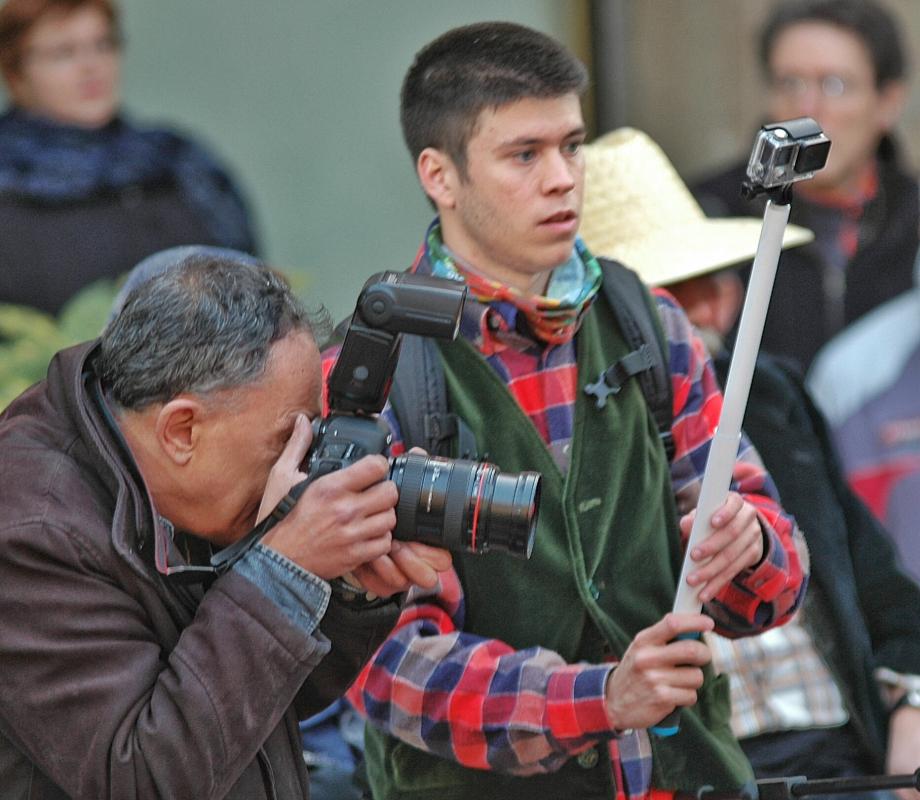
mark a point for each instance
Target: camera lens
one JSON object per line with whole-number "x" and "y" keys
{"x": 465, "y": 505}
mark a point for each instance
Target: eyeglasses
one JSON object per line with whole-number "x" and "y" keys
{"x": 68, "y": 53}
{"x": 829, "y": 86}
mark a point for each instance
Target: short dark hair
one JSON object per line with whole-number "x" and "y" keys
{"x": 471, "y": 68}
{"x": 874, "y": 25}
{"x": 19, "y": 17}
{"x": 204, "y": 325}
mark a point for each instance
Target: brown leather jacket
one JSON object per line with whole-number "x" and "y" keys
{"x": 114, "y": 681}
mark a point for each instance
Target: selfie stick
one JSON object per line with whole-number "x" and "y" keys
{"x": 723, "y": 449}
{"x": 795, "y": 786}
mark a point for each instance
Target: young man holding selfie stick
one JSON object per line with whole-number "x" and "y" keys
{"x": 539, "y": 678}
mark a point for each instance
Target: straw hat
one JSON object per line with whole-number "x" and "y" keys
{"x": 638, "y": 211}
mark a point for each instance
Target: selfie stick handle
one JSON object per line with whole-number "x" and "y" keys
{"x": 723, "y": 449}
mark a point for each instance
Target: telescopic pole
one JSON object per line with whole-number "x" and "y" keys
{"x": 723, "y": 449}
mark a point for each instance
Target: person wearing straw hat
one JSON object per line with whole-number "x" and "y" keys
{"x": 805, "y": 699}
{"x": 843, "y": 63}
{"x": 540, "y": 678}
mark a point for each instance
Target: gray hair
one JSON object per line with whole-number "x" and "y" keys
{"x": 203, "y": 325}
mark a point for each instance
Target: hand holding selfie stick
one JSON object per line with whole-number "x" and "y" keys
{"x": 783, "y": 153}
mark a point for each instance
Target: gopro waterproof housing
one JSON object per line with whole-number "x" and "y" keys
{"x": 784, "y": 153}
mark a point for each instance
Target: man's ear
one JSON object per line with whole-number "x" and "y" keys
{"x": 178, "y": 425}
{"x": 438, "y": 176}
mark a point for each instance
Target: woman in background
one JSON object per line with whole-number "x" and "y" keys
{"x": 83, "y": 193}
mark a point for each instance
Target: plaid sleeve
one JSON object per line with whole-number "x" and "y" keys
{"x": 769, "y": 593}
{"x": 478, "y": 701}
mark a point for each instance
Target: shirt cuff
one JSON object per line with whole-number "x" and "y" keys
{"x": 576, "y": 704}
{"x": 300, "y": 595}
{"x": 766, "y": 579}
{"x": 895, "y": 685}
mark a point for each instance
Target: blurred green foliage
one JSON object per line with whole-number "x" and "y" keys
{"x": 29, "y": 338}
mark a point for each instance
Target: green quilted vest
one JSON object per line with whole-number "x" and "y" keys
{"x": 601, "y": 571}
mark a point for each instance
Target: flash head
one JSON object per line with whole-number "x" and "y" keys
{"x": 402, "y": 302}
{"x": 390, "y": 305}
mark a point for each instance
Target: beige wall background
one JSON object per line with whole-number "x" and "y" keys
{"x": 694, "y": 79}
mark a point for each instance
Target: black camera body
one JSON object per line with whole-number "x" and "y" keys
{"x": 784, "y": 153}
{"x": 465, "y": 506}
{"x": 390, "y": 304}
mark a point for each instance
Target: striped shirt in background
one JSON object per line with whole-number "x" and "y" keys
{"x": 778, "y": 682}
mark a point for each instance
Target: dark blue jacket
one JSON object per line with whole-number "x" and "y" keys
{"x": 866, "y": 609}
{"x": 811, "y": 299}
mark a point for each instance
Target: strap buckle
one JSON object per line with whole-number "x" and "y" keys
{"x": 612, "y": 379}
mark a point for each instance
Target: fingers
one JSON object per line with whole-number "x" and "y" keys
{"x": 360, "y": 488}
{"x": 739, "y": 554}
{"x": 286, "y": 470}
{"x": 733, "y": 504}
{"x": 395, "y": 572}
{"x": 379, "y": 497}
{"x": 437, "y": 558}
{"x": 658, "y": 671}
{"x": 417, "y": 570}
{"x": 407, "y": 564}
{"x": 735, "y": 543}
{"x": 381, "y": 576}
{"x": 357, "y": 476}
{"x": 369, "y": 549}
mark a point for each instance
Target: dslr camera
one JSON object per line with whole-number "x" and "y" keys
{"x": 783, "y": 153}
{"x": 458, "y": 504}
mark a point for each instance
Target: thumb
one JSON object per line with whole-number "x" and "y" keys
{"x": 686, "y": 522}
{"x": 296, "y": 448}
{"x": 286, "y": 470}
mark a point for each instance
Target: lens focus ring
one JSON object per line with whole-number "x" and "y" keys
{"x": 410, "y": 488}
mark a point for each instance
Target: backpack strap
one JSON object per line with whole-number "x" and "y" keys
{"x": 648, "y": 361}
{"x": 419, "y": 401}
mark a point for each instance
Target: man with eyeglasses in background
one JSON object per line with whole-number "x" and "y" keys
{"x": 842, "y": 63}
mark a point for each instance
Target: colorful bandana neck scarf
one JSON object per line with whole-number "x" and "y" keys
{"x": 553, "y": 318}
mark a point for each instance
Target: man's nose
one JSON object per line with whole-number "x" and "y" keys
{"x": 560, "y": 173}
{"x": 809, "y": 101}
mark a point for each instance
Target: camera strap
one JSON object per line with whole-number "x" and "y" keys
{"x": 226, "y": 558}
